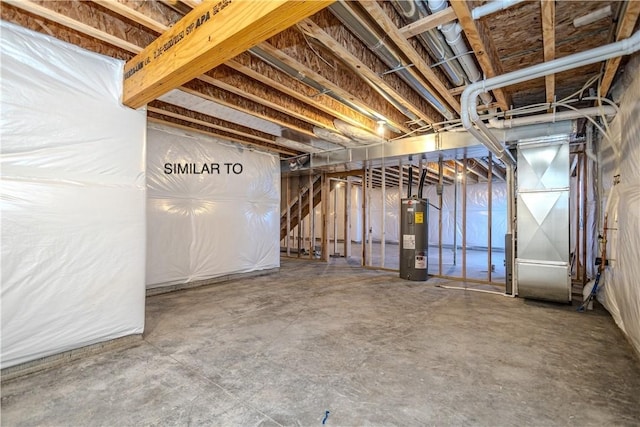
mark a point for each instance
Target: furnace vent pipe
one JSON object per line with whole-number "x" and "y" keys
{"x": 423, "y": 177}
{"x": 469, "y": 113}
{"x": 410, "y": 181}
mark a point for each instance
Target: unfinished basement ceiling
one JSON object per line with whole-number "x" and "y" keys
{"x": 333, "y": 79}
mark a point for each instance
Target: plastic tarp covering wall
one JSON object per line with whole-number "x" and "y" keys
{"x": 477, "y": 214}
{"x": 209, "y": 224}
{"x": 621, "y": 291}
{"x": 72, "y": 199}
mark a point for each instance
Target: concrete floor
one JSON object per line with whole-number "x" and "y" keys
{"x": 364, "y": 345}
{"x": 477, "y": 263}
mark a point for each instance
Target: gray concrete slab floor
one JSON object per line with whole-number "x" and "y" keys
{"x": 366, "y": 346}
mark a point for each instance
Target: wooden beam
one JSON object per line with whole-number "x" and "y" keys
{"x": 209, "y": 35}
{"x": 625, "y": 28}
{"x": 428, "y": 23}
{"x": 402, "y": 93}
{"x": 223, "y": 97}
{"x": 230, "y": 99}
{"x": 548, "y": 11}
{"x": 260, "y": 90}
{"x": 435, "y": 85}
{"x": 133, "y": 15}
{"x": 65, "y": 21}
{"x": 258, "y": 70}
{"x": 154, "y": 117}
{"x": 226, "y": 78}
{"x": 482, "y": 46}
{"x": 198, "y": 118}
{"x": 276, "y": 79}
{"x": 340, "y": 81}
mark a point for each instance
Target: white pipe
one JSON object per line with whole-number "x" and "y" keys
{"x": 453, "y": 34}
{"x": 552, "y": 117}
{"x": 589, "y": 148}
{"x": 493, "y": 7}
{"x": 469, "y": 112}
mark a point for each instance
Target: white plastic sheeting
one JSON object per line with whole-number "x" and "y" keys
{"x": 210, "y": 224}
{"x": 477, "y": 214}
{"x": 621, "y": 291}
{"x": 72, "y": 199}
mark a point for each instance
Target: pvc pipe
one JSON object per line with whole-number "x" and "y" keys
{"x": 589, "y": 149}
{"x": 552, "y": 117}
{"x": 453, "y": 34}
{"x": 469, "y": 112}
{"x": 493, "y": 7}
{"x": 433, "y": 40}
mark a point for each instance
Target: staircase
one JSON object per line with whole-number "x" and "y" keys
{"x": 317, "y": 185}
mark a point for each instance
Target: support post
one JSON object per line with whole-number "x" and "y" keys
{"x": 489, "y": 215}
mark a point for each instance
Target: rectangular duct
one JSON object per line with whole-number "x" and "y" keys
{"x": 542, "y": 260}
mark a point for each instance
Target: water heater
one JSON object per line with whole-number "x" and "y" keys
{"x": 414, "y": 238}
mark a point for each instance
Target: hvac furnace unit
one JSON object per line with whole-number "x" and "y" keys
{"x": 414, "y": 241}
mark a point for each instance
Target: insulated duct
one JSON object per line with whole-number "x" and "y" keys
{"x": 432, "y": 40}
{"x": 382, "y": 50}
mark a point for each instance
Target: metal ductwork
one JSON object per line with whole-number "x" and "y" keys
{"x": 374, "y": 42}
{"x": 433, "y": 40}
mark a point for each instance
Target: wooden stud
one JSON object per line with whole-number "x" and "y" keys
{"x": 464, "y": 219}
{"x": 435, "y": 85}
{"x": 548, "y": 11}
{"x": 65, "y": 21}
{"x": 227, "y": 79}
{"x": 440, "y": 206}
{"x": 341, "y": 82}
{"x": 428, "y": 22}
{"x": 354, "y": 57}
{"x": 489, "y": 217}
{"x": 178, "y": 112}
{"x": 272, "y": 77}
{"x": 207, "y": 36}
{"x": 178, "y": 123}
{"x": 133, "y": 15}
{"x": 482, "y": 46}
{"x": 223, "y": 97}
{"x": 625, "y": 29}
